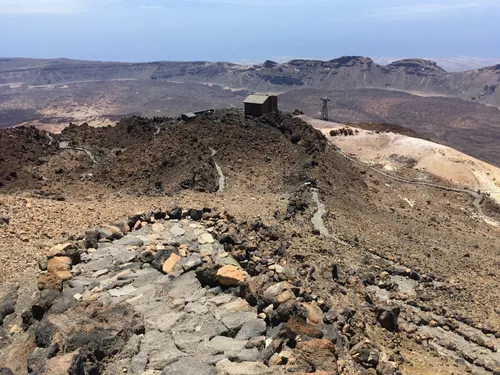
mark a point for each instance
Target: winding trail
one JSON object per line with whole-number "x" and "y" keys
{"x": 66, "y": 146}
{"x": 222, "y": 178}
{"x": 478, "y": 197}
{"x": 317, "y": 219}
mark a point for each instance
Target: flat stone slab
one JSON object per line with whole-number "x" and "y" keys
{"x": 226, "y": 367}
{"x": 177, "y": 230}
{"x": 189, "y": 366}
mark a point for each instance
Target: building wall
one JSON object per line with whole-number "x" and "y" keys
{"x": 256, "y": 110}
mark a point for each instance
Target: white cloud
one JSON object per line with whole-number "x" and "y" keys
{"x": 53, "y": 6}
{"x": 430, "y": 8}
{"x": 39, "y": 6}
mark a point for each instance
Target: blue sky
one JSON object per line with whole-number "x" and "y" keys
{"x": 247, "y": 30}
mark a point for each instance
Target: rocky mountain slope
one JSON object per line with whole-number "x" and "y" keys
{"x": 130, "y": 256}
{"x": 347, "y": 72}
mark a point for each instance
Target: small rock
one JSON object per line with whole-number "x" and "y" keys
{"x": 192, "y": 262}
{"x": 170, "y": 263}
{"x": 251, "y": 329}
{"x": 207, "y": 275}
{"x": 110, "y": 232}
{"x": 177, "y": 230}
{"x": 279, "y": 293}
{"x": 227, "y": 344}
{"x": 365, "y": 354}
{"x": 226, "y": 367}
{"x": 205, "y": 238}
{"x": 320, "y": 353}
{"x": 314, "y": 313}
{"x": 275, "y": 360}
{"x": 160, "y": 258}
{"x": 230, "y": 275}
{"x": 189, "y": 366}
{"x": 157, "y": 228}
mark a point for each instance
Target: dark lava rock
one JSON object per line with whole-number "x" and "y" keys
{"x": 44, "y": 334}
{"x": 387, "y": 316}
{"x": 286, "y": 310}
{"x": 365, "y": 354}
{"x": 146, "y": 257}
{"x": 196, "y": 214}
{"x": 4, "y": 338}
{"x": 44, "y": 302}
{"x": 175, "y": 213}
{"x": 8, "y": 303}
{"x": 207, "y": 275}
{"x": 91, "y": 239}
{"x": 161, "y": 256}
{"x": 39, "y": 356}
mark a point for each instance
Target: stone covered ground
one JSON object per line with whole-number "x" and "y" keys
{"x": 382, "y": 287}
{"x": 188, "y": 292}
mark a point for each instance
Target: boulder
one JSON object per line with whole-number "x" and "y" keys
{"x": 58, "y": 250}
{"x": 68, "y": 364}
{"x": 196, "y": 214}
{"x": 251, "y": 329}
{"x": 387, "y": 316}
{"x": 175, "y": 213}
{"x": 50, "y": 281}
{"x": 365, "y": 354}
{"x": 59, "y": 263}
{"x": 320, "y": 353}
{"x": 314, "y": 313}
{"x": 230, "y": 275}
{"x": 110, "y": 232}
{"x": 65, "y": 250}
{"x": 8, "y": 303}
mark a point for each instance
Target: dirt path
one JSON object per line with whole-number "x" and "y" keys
{"x": 317, "y": 219}
{"x": 222, "y": 178}
{"x": 478, "y": 197}
{"x": 66, "y": 146}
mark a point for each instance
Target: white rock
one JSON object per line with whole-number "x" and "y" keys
{"x": 205, "y": 238}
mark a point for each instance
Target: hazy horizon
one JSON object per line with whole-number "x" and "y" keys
{"x": 249, "y": 30}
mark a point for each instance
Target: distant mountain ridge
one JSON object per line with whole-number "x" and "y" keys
{"x": 418, "y": 76}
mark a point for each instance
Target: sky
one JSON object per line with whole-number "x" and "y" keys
{"x": 247, "y": 30}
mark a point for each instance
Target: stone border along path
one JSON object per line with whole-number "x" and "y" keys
{"x": 222, "y": 178}
{"x": 187, "y": 292}
{"x": 478, "y": 197}
{"x": 476, "y": 351}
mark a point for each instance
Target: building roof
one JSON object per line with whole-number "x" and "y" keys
{"x": 256, "y": 99}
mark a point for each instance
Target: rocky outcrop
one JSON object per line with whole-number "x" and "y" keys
{"x": 176, "y": 295}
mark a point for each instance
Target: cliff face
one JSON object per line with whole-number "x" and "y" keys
{"x": 348, "y": 72}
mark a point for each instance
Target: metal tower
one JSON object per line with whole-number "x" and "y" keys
{"x": 324, "y": 111}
